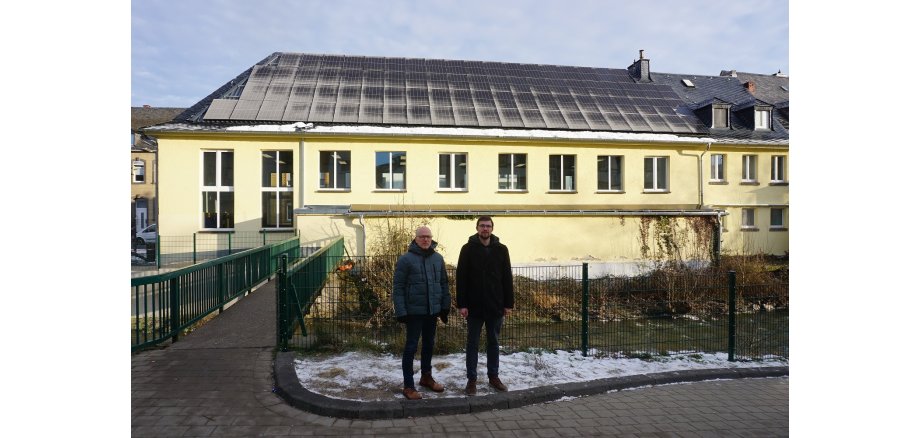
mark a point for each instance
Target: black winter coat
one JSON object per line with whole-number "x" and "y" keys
{"x": 484, "y": 282}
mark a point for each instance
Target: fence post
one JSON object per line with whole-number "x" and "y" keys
{"x": 584, "y": 309}
{"x": 174, "y": 308}
{"x": 281, "y": 287}
{"x": 220, "y": 286}
{"x": 731, "y": 316}
{"x": 229, "y": 243}
{"x": 158, "y": 250}
{"x": 194, "y": 249}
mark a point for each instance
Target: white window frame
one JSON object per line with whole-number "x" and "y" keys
{"x": 513, "y": 178}
{"x": 452, "y": 181}
{"x": 334, "y": 175}
{"x": 778, "y": 168}
{"x": 748, "y": 219}
{"x": 391, "y": 180}
{"x": 563, "y": 187}
{"x": 782, "y": 225}
{"x": 717, "y": 169}
{"x": 609, "y": 160}
{"x": 749, "y": 168}
{"x": 655, "y": 170}
{"x": 138, "y": 171}
{"x": 278, "y": 189}
{"x": 217, "y": 189}
{"x": 721, "y": 109}
{"x": 762, "y": 119}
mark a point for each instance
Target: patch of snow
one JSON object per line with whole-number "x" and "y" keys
{"x": 369, "y": 377}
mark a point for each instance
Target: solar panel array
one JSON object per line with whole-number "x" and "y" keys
{"x": 291, "y": 87}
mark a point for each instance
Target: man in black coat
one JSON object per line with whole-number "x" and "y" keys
{"x": 485, "y": 295}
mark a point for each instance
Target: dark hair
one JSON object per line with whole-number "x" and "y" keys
{"x": 483, "y": 219}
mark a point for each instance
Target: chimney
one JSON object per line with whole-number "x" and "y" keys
{"x": 639, "y": 70}
{"x": 749, "y": 86}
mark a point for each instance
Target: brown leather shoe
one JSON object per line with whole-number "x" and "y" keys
{"x": 411, "y": 394}
{"x": 497, "y": 384}
{"x": 470, "y": 387}
{"x": 428, "y": 382}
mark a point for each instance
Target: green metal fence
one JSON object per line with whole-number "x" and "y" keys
{"x": 176, "y": 250}
{"x": 346, "y": 304}
{"x": 164, "y": 305}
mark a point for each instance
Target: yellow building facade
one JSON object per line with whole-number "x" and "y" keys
{"x": 540, "y": 223}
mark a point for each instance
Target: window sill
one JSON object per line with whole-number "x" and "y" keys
{"x": 277, "y": 230}
{"x": 389, "y": 191}
{"x": 615, "y": 192}
{"x": 333, "y": 190}
{"x": 217, "y": 231}
{"x": 720, "y": 182}
{"x": 511, "y": 191}
{"x": 779, "y": 229}
{"x": 744, "y": 229}
{"x": 137, "y": 182}
{"x": 656, "y": 192}
{"x": 451, "y": 191}
{"x": 749, "y": 183}
{"x": 779, "y": 183}
{"x": 561, "y": 191}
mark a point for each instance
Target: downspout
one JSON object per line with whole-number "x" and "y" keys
{"x": 708, "y": 145}
{"x": 300, "y": 187}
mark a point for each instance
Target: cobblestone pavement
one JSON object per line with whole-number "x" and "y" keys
{"x": 217, "y": 381}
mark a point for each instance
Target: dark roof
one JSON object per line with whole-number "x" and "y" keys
{"x": 143, "y": 116}
{"x": 290, "y": 87}
{"x": 726, "y": 89}
{"x": 355, "y": 90}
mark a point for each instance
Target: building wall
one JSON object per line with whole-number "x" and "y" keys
{"x": 146, "y": 189}
{"x": 568, "y": 238}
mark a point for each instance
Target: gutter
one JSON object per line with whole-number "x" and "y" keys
{"x": 393, "y": 213}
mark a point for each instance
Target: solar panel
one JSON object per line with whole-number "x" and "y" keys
{"x": 356, "y": 89}
{"x": 220, "y": 109}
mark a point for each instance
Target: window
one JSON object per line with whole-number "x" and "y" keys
{"x": 749, "y": 168}
{"x": 717, "y": 171}
{"x": 391, "y": 170}
{"x": 761, "y": 119}
{"x": 562, "y": 172}
{"x": 747, "y": 219}
{"x": 656, "y": 174}
{"x": 137, "y": 171}
{"x": 610, "y": 172}
{"x": 719, "y": 117}
{"x": 512, "y": 171}
{"x": 778, "y": 169}
{"x": 335, "y": 170}
{"x": 217, "y": 189}
{"x": 277, "y": 189}
{"x": 452, "y": 171}
{"x": 777, "y": 218}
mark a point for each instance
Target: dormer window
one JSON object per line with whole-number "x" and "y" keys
{"x": 762, "y": 118}
{"x": 720, "y": 116}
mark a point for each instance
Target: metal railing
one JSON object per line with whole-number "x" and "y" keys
{"x": 164, "y": 305}
{"x": 176, "y": 250}
{"x": 346, "y": 304}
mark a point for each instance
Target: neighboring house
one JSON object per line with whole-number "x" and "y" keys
{"x": 574, "y": 163}
{"x": 143, "y": 164}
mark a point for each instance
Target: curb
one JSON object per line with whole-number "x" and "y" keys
{"x": 288, "y": 387}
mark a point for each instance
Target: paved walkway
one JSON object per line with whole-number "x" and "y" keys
{"x": 217, "y": 381}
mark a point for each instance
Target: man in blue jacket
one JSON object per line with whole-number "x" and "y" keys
{"x": 485, "y": 295}
{"x": 420, "y": 296}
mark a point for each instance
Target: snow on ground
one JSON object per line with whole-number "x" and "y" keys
{"x": 369, "y": 377}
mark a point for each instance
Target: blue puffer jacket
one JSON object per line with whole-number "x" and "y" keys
{"x": 420, "y": 282}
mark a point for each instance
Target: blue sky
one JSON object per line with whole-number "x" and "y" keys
{"x": 181, "y": 51}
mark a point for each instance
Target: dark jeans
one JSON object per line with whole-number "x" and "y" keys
{"x": 418, "y": 325}
{"x": 493, "y": 329}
